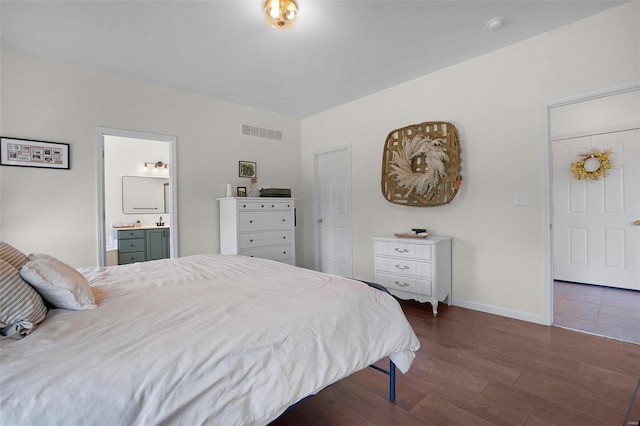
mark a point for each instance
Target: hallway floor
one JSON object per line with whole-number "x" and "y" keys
{"x": 604, "y": 311}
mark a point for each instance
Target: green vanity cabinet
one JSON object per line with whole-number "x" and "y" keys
{"x": 157, "y": 243}
{"x": 140, "y": 245}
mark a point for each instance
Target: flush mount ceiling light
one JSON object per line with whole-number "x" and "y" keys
{"x": 495, "y": 24}
{"x": 281, "y": 14}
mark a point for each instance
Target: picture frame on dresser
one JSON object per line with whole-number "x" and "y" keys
{"x": 241, "y": 191}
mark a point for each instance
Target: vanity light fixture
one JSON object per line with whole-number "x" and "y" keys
{"x": 156, "y": 164}
{"x": 281, "y": 14}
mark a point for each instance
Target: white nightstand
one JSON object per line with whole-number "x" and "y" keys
{"x": 415, "y": 268}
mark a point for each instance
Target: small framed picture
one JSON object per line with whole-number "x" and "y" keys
{"x": 242, "y": 191}
{"x": 247, "y": 169}
{"x": 32, "y": 153}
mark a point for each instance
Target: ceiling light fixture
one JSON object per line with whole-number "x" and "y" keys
{"x": 495, "y": 24}
{"x": 281, "y": 14}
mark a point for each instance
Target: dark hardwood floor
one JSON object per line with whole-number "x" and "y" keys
{"x": 481, "y": 369}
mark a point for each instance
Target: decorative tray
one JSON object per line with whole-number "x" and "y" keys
{"x": 424, "y": 235}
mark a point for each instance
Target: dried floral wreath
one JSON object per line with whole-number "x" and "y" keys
{"x": 434, "y": 158}
{"x": 593, "y": 165}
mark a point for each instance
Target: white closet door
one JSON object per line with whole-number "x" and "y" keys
{"x": 596, "y": 239}
{"x": 333, "y": 201}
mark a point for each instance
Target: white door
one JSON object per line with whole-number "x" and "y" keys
{"x": 595, "y": 233}
{"x": 333, "y": 212}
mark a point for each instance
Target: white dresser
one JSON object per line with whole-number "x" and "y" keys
{"x": 258, "y": 227}
{"x": 415, "y": 268}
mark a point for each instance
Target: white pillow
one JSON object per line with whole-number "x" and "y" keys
{"x": 40, "y": 256}
{"x": 59, "y": 284}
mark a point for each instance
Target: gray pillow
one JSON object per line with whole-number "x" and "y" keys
{"x": 12, "y": 255}
{"x": 21, "y": 307}
{"x": 59, "y": 284}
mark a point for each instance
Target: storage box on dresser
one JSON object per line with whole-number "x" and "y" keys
{"x": 415, "y": 268}
{"x": 258, "y": 227}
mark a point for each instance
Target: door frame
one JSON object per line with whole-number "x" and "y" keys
{"x": 101, "y": 132}
{"x": 547, "y": 201}
{"x": 315, "y": 203}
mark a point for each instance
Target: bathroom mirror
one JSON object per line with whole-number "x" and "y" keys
{"x": 143, "y": 195}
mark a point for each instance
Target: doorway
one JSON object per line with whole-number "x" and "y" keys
{"x": 594, "y": 236}
{"x": 131, "y": 163}
{"x": 333, "y": 233}
{"x": 594, "y": 240}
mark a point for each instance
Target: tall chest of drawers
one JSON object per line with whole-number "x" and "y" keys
{"x": 258, "y": 227}
{"x": 415, "y": 268}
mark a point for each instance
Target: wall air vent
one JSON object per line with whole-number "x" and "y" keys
{"x": 261, "y": 132}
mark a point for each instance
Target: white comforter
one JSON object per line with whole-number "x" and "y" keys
{"x": 224, "y": 340}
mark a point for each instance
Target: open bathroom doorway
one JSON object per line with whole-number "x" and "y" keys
{"x": 137, "y": 196}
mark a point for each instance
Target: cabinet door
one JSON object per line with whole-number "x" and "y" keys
{"x": 157, "y": 244}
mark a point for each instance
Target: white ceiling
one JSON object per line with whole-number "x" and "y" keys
{"x": 339, "y": 51}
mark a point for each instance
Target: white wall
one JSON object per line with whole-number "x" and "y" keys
{"x": 54, "y": 211}
{"x": 497, "y": 102}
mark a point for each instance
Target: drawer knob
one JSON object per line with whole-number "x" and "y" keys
{"x": 244, "y": 205}
{"x": 402, "y": 268}
{"x": 250, "y": 241}
{"x": 263, "y": 206}
{"x": 272, "y": 206}
{"x": 284, "y": 237}
{"x": 250, "y": 221}
{"x": 284, "y": 220}
{"x": 398, "y": 283}
{"x": 399, "y": 250}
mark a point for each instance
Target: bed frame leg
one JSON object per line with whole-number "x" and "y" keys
{"x": 392, "y": 381}
{"x": 392, "y": 378}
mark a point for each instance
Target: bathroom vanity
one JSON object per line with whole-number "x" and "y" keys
{"x": 141, "y": 244}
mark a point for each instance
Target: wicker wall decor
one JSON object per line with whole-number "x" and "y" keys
{"x": 434, "y": 144}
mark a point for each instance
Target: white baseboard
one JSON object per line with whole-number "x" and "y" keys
{"x": 498, "y": 310}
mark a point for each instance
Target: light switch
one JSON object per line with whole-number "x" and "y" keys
{"x": 521, "y": 199}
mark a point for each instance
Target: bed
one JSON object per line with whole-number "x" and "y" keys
{"x": 206, "y": 339}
